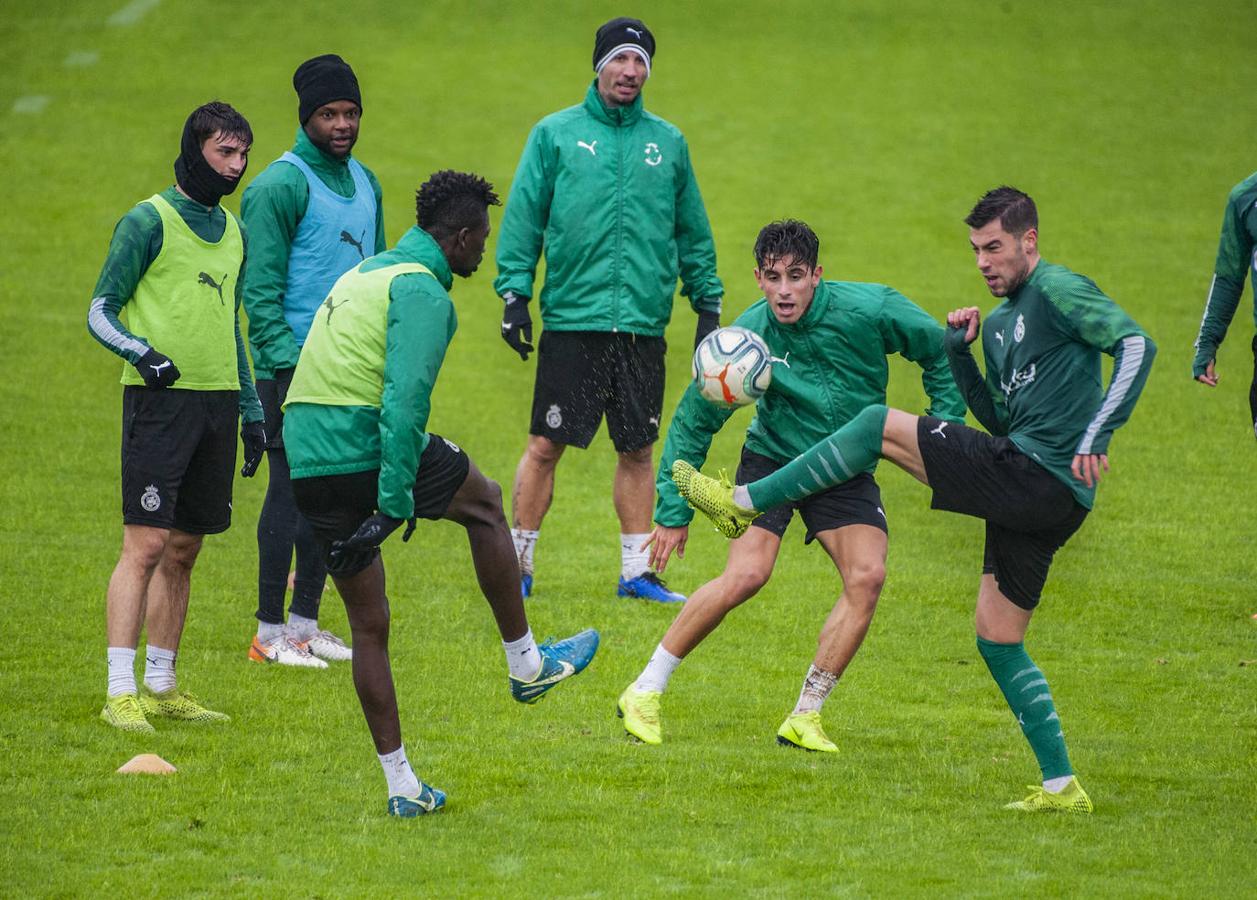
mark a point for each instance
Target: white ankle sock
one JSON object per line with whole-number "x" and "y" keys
{"x": 159, "y": 669}
{"x": 816, "y": 687}
{"x": 1056, "y": 785}
{"x": 633, "y": 560}
{"x": 269, "y": 631}
{"x": 302, "y": 628}
{"x": 121, "y": 670}
{"x": 525, "y": 541}
{"x": 742, "y": 497}
{"x": 522, "y": 657}
{"x": 402, "y": 781}
{"x": 657, "y": 672}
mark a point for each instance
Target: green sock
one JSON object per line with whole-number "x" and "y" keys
{"x": 1027, "y": 693}
{"x": 838, "y": 458}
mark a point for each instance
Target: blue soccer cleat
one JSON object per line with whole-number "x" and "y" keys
{"x": 559, "y": 661}
{"x": 525, "y": 584}
{"x": 428, "y": 800}
{"x": 648, "y": 586}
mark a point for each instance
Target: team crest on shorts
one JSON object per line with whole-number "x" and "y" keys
{"x": 554, "y": 418}
{"x": 149, "y": 499}
{"x": 452, "y": 445}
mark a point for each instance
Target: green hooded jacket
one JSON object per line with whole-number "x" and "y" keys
{"x": 827, "y": 367}
{"x": 610, "y": 195}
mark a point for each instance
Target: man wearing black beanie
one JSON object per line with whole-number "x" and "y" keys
{"x": 607, "y": 191}
{"x": 312, "y": 215}
{"x": 174, "y": 265}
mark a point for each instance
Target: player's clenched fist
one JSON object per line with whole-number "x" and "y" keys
{"x": 967, "y": 317}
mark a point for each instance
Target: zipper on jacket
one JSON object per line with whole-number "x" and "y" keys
{"x": 619, "y": 225}
{"x": 829, "y": 394}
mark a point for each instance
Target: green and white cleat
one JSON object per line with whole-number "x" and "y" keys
{"x": 124, "y": 713}
{"x": 640, "y": 712}
{"x": 803, "y": 730}
{"x": 1072, "y": 799}
{"x": 177, "y": 704}
{"x": 713, "y": 498}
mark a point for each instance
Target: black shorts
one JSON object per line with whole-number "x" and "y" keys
{"x": 178, "y": 458}
{"x": 583, "y": 374}
{"x": 1029, "y": 512}
{"x": 335, "y": 505}
{"x": 854, "y": 502}
{"x": 272, "y": 392}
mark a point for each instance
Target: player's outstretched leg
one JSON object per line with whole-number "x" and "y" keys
{"x": 534, "y": 670}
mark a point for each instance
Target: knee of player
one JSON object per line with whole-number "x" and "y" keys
{"x": 744, "y": 583}
{"x": 144, "y": 547}
{"x": 543, "y": 452}
{"x": 864, "y": 582}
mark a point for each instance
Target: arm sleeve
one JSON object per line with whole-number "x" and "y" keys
{"x": 689, "y": 438}
{"x": 380, "y": 244}
{"x": 696, "y": 249}
{"x": 527, "y": 214}
{"x": 908, "y": 330}
{"x": 420, "y": 323}
{"x": 250, "y": 405}
{"x": 1235, "y": 249}
{"x": 136, "y": 241}
{"x": 981, "y": 396}
{"x": 271, "y": 209}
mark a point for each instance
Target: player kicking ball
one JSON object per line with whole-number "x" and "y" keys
{"x": 829, "y": 341}
{"x": 363, "y": 464}
{"x": 1032, "y": 479}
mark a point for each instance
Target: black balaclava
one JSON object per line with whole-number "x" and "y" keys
{"x": 196, "y": 176}
{"x": 322, "y": 80}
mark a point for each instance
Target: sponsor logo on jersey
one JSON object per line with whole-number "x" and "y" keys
{"x": 784, "y": 360}
{"x": 554, "y": 417}
{"x": 653, "y": 156}
{"x": 592, "y": 148}
{"x": 999, "y": 336}
{"x": 331, "y": 306}
{"x": 206, "y": 279}
{"x": 347, "y": 238}
{"x": 1017, "y": 379}
{"x": 150, "y": 500}
{"x": 1019, "y": 330}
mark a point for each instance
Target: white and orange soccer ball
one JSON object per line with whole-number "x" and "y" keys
{"x": 732, "y": 366}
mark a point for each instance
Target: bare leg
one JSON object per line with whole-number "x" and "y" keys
{"x": 366, "y": 606}
{"x": 751, "y": 560}
{"x": 900, "y": 445}
{"x": 169, "y": 589}
{"x": 635, "y": 490}
{"x": 997, "y": 618}
{"x": 859, "y": 552}
{"x": 477, "y": 506}
{"x": 142, "y": 548}
{"x": 534, "y": 482}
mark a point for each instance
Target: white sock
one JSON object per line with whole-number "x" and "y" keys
{"x": 302, "y": 628}
{"x": 633, "y": 560}
{"x": 1056, "y": 785}
{"x": 522, "y": 657}
{"x": 159, "y": 669}
{"x": 816, "y": 687}
{"x": 121, "y": 670}
{"x": 269, "y": 631}
{"x": 742, "y": 497}
{"x": 657, "y": 672}
{"x": 402, "y": 781}
{"x": 525, "y": 541}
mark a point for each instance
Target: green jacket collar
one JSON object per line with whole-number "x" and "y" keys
{"x": 316, "y": 159}
{"x": 614, "y": 116}
{"x": 420, "y": 247}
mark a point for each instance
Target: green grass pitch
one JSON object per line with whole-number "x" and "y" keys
{"x": 877, "y": 123}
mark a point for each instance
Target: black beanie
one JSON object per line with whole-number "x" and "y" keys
{"x": 623, "y": 34}
{"x": 320, "y": 81}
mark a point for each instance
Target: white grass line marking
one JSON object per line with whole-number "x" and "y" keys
{"x": 132, "y": 12}
{"x": 81, "y": 59}
{"x": 31, "y": 105}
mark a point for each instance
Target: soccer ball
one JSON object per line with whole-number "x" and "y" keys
{"x": 732, "y": 367}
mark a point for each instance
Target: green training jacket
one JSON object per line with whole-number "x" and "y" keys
{"x": 827, "y": 367}
{"x": 610, "y": 196}
{"x": 1235, "y": 256}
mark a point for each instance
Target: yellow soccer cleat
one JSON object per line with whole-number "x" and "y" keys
{"x": 177, "y": 704}
{"x": 1072, "y": 799}
{"x": 640, "y": 712}
{"x": 712, "y": 498}
{"x": 803, "y": 730}
{"x": 124, "y": 713}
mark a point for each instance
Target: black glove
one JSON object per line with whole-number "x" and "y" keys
{"x": 370, "y": 534}
{"x": 517, "y": 321}
{"x": 707, "y": 323}
{"x": 157, "y": 369}
{"x": 253, "y": 436}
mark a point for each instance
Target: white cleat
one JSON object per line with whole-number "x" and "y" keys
{"x": 286, "y": 652}
{"x": 328, "y": 646}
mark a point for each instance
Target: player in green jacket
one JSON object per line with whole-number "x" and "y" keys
{"x": 363, "y": 463}
{"x": 829, "y": 341}
{"x": 312, "y": 215}
{"x": 174, "y": 267}
{"x": 1032, "y": 479}
{"x": 1235, "y": 255}
{"x": 607, "y": 192}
